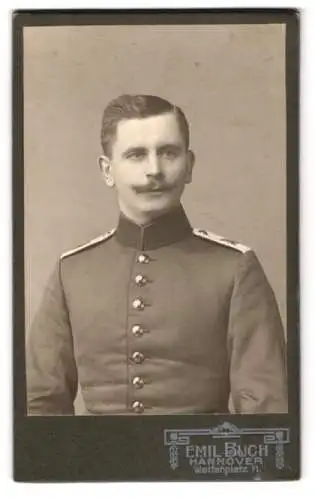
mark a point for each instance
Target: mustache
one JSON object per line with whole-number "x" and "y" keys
{"x": 153, "y": 186}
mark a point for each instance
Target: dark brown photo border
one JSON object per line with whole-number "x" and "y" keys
{"x": 114, "y": 448}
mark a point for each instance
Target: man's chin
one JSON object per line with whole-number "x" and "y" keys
{"x": 157, "y": 207}
{"x": 149, "y": 208}
{"x": 155, "y": 201}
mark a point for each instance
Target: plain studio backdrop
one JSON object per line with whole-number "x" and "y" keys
{"x": 230, "y": 82}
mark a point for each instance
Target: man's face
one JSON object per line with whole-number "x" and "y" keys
{"x": 149, "y": 166}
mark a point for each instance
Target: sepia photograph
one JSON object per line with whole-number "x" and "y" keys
{"x": 155, "y": 221}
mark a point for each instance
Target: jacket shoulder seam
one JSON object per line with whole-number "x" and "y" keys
{"x": 89, "y": 244}
{"x": 207, "y": 235}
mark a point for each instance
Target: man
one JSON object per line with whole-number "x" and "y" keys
{"x": 155, "y": 317}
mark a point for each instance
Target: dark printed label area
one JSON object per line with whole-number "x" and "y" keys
{"x": 227, "y": 450}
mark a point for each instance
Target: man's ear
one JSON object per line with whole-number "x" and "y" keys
{"x": 106, "y": 170}
{"x": 190, "y": 165}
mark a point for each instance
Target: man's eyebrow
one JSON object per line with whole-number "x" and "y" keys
{"x": 176, "y": 147}
{"x": 172, "y": 146}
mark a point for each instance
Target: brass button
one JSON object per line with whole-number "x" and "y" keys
{"x": 137, "y": 357}
{"x": 138, "y": 382}
{"x": 137, "y": 330}
{"x": 138, "y": 304}
{"x": 137, "y": 407}
{"x": 143, "y": 258}
{"x": 140, "y": 280}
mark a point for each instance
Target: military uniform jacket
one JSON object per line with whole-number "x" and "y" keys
{"x": 161, "y": 319}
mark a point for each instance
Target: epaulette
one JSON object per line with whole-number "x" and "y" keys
{"x": 90, "y": 243}
{"x": 207, "y": 235}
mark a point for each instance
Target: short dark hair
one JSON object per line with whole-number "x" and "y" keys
{"x": 137, "y": 106}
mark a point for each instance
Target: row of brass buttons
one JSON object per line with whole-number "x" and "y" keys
{"x": 137, "y": 406}
{"x": 138, "y": 382}
{"x": 137, "y": 330}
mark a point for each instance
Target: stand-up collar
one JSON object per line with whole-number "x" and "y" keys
{"x": 165, "y": 230}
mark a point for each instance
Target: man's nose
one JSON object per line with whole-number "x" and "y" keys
{"x": 153, "y": 167}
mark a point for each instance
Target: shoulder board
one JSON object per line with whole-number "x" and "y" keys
{"x": 90, "y": 243}
{"x": 207, "y": 235}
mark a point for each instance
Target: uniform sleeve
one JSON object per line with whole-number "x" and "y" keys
{"x": 50, "y": 366}
{"x": 256, "y": 343}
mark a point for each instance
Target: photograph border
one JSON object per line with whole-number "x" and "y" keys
{"x": 82, "y": 455}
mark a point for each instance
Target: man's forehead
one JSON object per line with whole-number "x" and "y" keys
{"x": 163, "y": 127}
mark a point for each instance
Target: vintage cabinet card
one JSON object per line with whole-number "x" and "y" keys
{"x": 156, "y": 331}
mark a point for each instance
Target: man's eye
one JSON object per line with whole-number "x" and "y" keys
{"x": 136, "y": 155}
{"x": 169, "y": 154}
